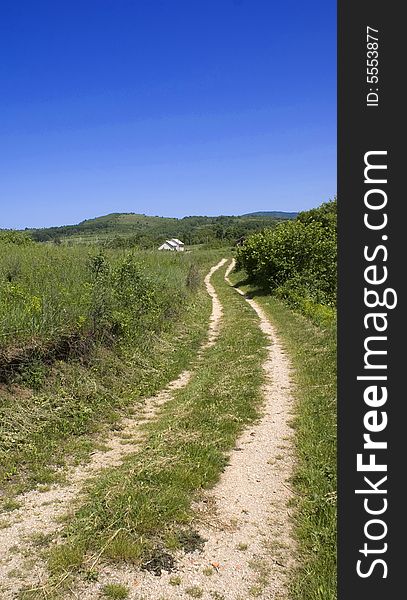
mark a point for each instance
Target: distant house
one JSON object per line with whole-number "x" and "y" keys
{"x": 173, "y": 244}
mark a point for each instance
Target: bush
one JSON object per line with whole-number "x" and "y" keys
{"x": 296, "y": 259}
{"x": 10, "y": 236}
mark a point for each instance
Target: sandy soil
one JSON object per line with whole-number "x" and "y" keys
{"x": 215, "y": 318}
{"x": 40, "y": 511}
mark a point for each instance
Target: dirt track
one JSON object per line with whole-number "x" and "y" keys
{"x": 244, "y": 518}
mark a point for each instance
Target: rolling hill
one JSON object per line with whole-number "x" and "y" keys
{"x": 121, "y": 229}
{"x": 276, "y": 214}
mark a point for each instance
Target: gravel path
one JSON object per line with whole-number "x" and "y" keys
{"x": 40, "y": 511}
{"x": 244, "y": 519}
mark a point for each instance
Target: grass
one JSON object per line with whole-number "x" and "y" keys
{"x": 115, "y": 591}
{"x": 262, "y": 571}
{"x": 194, "y": 591}
{"x": 4, "y": 523}
{"x": 132, "y": 509}
{"x": 39, "y": 539}
{"x": 9, "y": 504}
{"x": 59, "y": 301}
{"x": 46, "y": 290}
{"x": 312, "y": 350}
{"x": 77, "y": 398}
{"x": 242, "y": 546}
{"x": 140, "y": 511}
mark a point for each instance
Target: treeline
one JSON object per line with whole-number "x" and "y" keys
{"x": 297, "y": 260}
{"x": 130, "y": 230}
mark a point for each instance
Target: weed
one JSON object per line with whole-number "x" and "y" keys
{"x": 242, "y": 546}
{"x": 193, "y": 277}
{"x": 115, "y": 591}
{"x": 15, "y": 574}
{"x": 194, "y": 591}
{"x": 256, "y": 590}
{"x": 262, "y": 570}
{"x": 9, "y": 504}
{"x": 191, "y": 540}
{"x": 91, "y": 575}
{"x": 65, "y": 558}
{"x": 39, "y": 539}
{"x": 158, "y": 561}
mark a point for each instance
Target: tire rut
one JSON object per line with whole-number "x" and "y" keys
{"x": 245, "y": 518}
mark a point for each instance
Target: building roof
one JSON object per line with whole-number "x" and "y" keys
{"x": 173, "y": 244}
{"x": 170, "y": 244}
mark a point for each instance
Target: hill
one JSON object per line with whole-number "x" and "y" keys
{"x": 122, "y": 229}
{"x": 276, "y": 214}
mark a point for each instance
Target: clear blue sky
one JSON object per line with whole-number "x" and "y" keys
{"x": 165, "y": 107}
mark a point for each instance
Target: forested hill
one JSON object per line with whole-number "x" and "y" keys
{"x": 276, "y": 214}
{"x": 118, "y": 229}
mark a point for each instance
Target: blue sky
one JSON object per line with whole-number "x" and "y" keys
{"x": 165, "y": 107}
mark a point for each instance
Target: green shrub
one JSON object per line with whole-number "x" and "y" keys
{"x": 296, "y": 259}
{"x": 19, "y": 238}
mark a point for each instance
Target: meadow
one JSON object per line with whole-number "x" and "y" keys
{"x": 50, "y": 294}
{"x": 84, "y": 334}
{"x": 88, "y": 331}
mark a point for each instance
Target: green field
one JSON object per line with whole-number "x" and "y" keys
{"x": 90, "y": 330}
{"x": 83, "y": 335}
{"x": 47, "y": 291}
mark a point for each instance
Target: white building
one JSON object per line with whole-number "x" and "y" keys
{"x": 173, "y": 244}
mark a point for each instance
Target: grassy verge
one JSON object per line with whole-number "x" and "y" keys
{"x": 312, "y": 350}
{"x": 52, "y": 413}
{"x": 141, "y": 510}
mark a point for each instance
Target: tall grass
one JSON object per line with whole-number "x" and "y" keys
{"x": 47, "y": 290}
{"x": 139, "y": 316}
{"x": 42, "y": 292}
{"x": 57, "y": 300}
